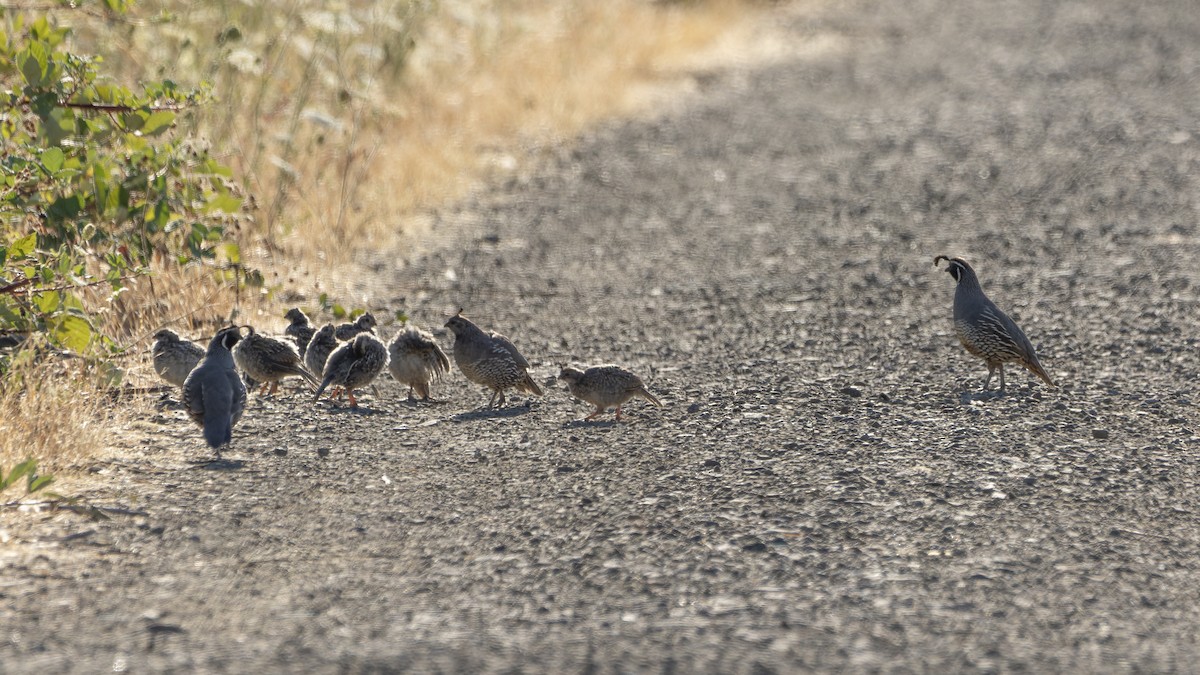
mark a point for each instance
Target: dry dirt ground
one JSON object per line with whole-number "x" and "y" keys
{"x": 823, "y": 490}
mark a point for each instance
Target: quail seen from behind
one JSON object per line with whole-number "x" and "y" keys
{"x": 490, "y": 359}
{"x": 319, "y": 348}
{"x": 299, "y": 328}
{"x": 355, "y": 364}
{"x": 173, "y": 357}
{"x": 363, "y": 324}
{"x": 985, "y": 330}
{"x": 268, "y": 360}
{"x": 605, "y": 387}
{"x": 213, "y": 393}
{"x": 416, "y": 360}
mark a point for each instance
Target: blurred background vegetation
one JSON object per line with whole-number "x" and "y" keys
{"x": 184, "y": 164}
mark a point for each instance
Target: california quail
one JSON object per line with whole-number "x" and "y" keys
{"x": 213, "y": 393}
{"x": 490, "y": 359}
{"x": 268, "y": 360}
{"x": 173, "y": 357}
{"x": 355, "y": 364}
{"x": 986, "y": 331}
{"x": 319, "y": 348}
{"x": 605, "y": 387}
{"x": 299, "y": 328}
{"x": 416, "y": 360}
{"x": 364, "y": 323}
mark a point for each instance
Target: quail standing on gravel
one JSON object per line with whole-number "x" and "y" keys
{"x": 173, "y": 357}
{"x": 355, "y": 364}
{"x": 490, "y": 359}
{"x": 986, "y": 331}
{"x": 363, "y": 324}
{"x": 213, "y": 393}
{"x": 416, "y": 360}
{"x": 268, "y": 360}
{"x": 319, "y": 348}
{"x": 299, "y": 328}
{"x": 605, "y": 387}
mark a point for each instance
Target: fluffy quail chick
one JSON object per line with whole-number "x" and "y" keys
{"x": 173, "y": 357}
{"x": 605, "y": 387}
{"x": 268, "y": 360}
{"x": 299, "y": 328}
{"x": 355, "y": 364}
{"x": 490, "y": 359}
{"x": 363, "y": 324}
{"x": 319, "y": 348}
{"x": 986, "y": 331}
{"x": 416, "y": 360}
{"x": 213, "y": 393}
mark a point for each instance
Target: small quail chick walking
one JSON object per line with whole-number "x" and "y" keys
{"x": 213, "y": 393}
{"x": 299, "y": 328}
{"x": 319, "y": 348}
{"x": 268, "y": 360}
{"x": 605, "y": 386}
{"x": 173, "y": 357}
{"x": 416, "y": 360}
{"x": 355, "y": 364}
{"x": 363, "y": 324}
{"x": 984, "y": 329}
{"x": 490, "y": 359}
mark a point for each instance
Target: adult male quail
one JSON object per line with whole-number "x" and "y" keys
{"x": 490, "y": 359}
{"x": 299, "y": 328}
{"x": 174, "y": 358}
{"x": 416, "y": 360}
{"x": 363, "y": 324}
{"x": 268, "y": 360}
{"x": 986, "y": 331}
{"x": 213, "y": 393}
{"x": 355, "y": 364}
{"x": 605, "y": 387}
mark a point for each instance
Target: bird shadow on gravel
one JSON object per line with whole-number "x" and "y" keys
{"x": 492, "y": 413}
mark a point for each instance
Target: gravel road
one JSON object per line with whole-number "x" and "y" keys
{"x": 824, "y": 488}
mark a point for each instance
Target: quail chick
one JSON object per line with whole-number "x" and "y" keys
{"x": 213, "y": 393}
{"x": 319, "y": 348}
{"x": 299, "y": 328}
{"x": 355, "y": 364}
{"x": 173, "y": 357}
{"x": 490, "y": 359}
{"x": 363, "y": 324}
{"x": 416, "y": 360}
{"x": 986, "y": 331}
{"x": 268, "y": 360}
{"x": 605, "y": 387}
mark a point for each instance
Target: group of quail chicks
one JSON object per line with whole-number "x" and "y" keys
{"x": 349, "y": 357}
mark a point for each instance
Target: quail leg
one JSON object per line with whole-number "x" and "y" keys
{"x": 598, "y": 411}
{"x": 1002, "y": 378}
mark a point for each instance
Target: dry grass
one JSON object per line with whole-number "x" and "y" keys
{"x": 345, "y": 123}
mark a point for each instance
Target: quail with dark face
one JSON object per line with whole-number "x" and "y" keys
{"x": 363, "y": 324}
{"x": 490, "y": 359}
{"x": 213, "y": 393}
{"x": 984, "y": 330}
{"x": 268, "y": 360}
{"x": 299, "y": 328}
{"x": 354, "y": 365}
{"x": 605, "y": 387}
{"x": 174, "y": 357}
{"x": 416, "y": 360}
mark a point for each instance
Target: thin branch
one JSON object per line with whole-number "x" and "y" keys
{"x": 112, "y": 107}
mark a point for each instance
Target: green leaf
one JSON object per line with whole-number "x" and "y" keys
{"x": 19, "y": 470}
{"x": 37, "y": 483}
{"x": 32, "y": 62}
{"x": 72, "y": 332}
{"x": 233, "y": 253}
{"x": 22, "y": 247}
{"x": 48, "y": 302}
{"x": 223, "y": 202}
{"x": 53, "y": 159}
{"x": 158, "y": 122}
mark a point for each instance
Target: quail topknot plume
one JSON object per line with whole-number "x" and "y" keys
{"x": 173, "y": 357}
{"x": 213, "y": 393}
{"x": 490, "y": 359}
{"x": 268, "y": 360}
{"x": 416, "y": 360}
{"x": 984, "y": 330}
{"x": 299, "y": 328}
{"x": 605, "y": 387}
{"x": 355, "y": 364}
{"x": 363, "y": 324}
